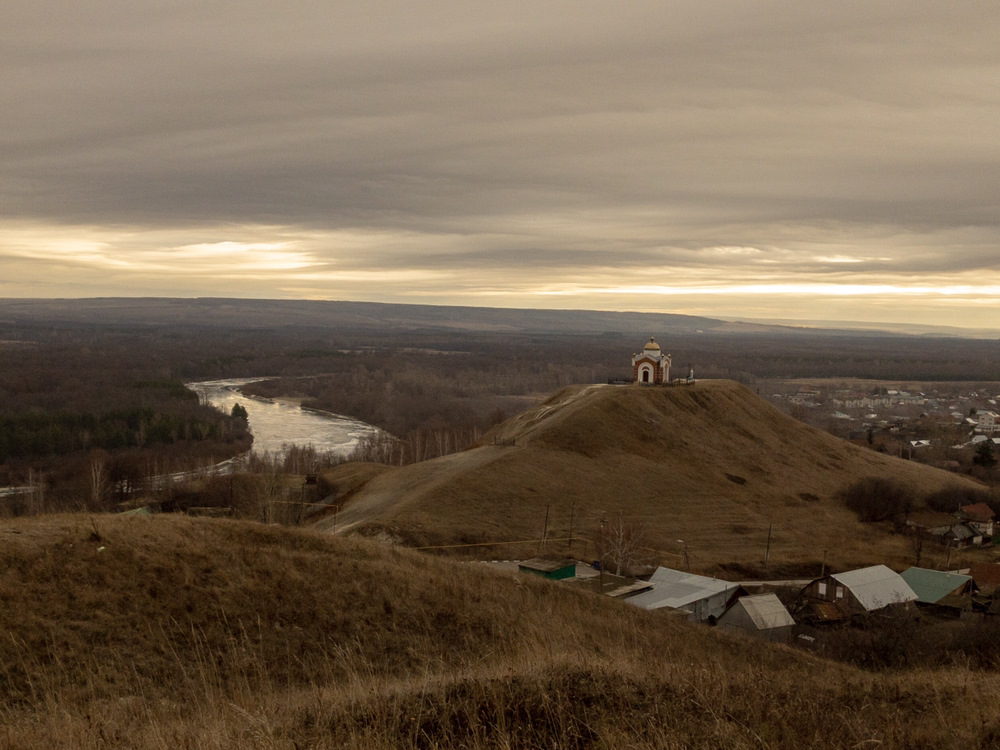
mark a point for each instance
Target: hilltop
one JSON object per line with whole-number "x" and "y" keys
{"x": 198, "y": 633}
{"x": 711, "y": 464}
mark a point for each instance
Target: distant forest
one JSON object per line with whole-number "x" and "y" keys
{"x": 108, "y": 374}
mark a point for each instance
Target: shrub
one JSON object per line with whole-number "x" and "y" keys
{"x": 877, "y": 499}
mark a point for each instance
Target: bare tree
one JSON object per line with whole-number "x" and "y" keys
{"x": 98, "y": 476}
{"x": 916, "y": 540}
{"x": 621, "y": 545}
{"x": 267, "y": 490}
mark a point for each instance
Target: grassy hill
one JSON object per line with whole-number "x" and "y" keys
{"x": 198, "y": 633}
{"x": 710, "y": 464}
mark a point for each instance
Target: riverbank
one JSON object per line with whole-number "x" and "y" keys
{"x": 279, "y": 422}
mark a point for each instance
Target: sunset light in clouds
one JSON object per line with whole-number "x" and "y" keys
{"x": 809, "y": 161}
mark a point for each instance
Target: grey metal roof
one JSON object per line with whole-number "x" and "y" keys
{"x": 677, "y": 589}
{"x": 876, "y": 587}
{"x": 766, "y": 611}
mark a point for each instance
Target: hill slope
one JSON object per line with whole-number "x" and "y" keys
{"x": 198, "y": 633}
{"x": 710, "y": 464}
{"x": 155, "y": 312}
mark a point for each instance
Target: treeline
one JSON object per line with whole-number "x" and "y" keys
{"x": 65, "y": 393}
{"x": 57, "y": 433}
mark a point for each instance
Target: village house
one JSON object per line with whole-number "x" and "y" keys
{"x": 977, "y": 439}
{"x": 839, "y": 596}
{"x": 703, "y": 599}
{"x": 761, "y": 616}
{"x": 980, "y": 516}
{"x": 986, "y": 421}
{"x": 940, "y": 591}
{"x": 944, "y": 528}
{"x": 652, "y": 366}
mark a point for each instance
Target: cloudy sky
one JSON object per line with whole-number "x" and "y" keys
{"x": 807, "y": 160}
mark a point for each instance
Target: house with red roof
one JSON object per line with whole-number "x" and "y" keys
{"x": 980, "y": 516}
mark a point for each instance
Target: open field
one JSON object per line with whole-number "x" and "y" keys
{"x": 710, "y": 464}
{"x": 198, "y": 633}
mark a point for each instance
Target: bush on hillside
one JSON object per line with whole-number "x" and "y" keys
{"x": 879, "y": 641}
{"x": 950, "y": 499}
{"x": 903, "y": 640}
{"x": 877, "y": 499}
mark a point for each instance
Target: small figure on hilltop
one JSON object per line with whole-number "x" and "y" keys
{"x": 651, "y": 367}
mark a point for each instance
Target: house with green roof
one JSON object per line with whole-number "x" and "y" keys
{"x": 951, "y": 592}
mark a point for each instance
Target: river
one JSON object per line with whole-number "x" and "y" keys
{"x": 275, "y": 425}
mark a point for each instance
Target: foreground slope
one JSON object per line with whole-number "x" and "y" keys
{"x": 201, "y": 633}
{"x": 711, "y": 464}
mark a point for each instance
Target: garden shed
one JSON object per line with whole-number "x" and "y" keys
{"x": 762, "y": 616}
{"x": 554, "y": 570}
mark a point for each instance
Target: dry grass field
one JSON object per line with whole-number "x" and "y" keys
{"x": 170, "y": 632}
{"x": 710, "y": 464}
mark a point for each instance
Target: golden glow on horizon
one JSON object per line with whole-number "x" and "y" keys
{"x": 377, "y": 265}
{"x": 790, "y": 288}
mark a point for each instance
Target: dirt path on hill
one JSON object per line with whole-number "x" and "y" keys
{"x": 381, "y": 494}
{"x": 526, "y": 423}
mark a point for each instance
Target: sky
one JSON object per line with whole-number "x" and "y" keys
{"x": 770, "y": 160}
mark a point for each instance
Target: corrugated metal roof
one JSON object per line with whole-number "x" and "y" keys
{"x": 609, "y": 584}
{"x": 929, "y": 519}
{"x": 677, "y": 589}
{"x": 876, "y": 587}
{"x": 827, "y": 611}
{"x": 766, "y": 611}
{"x": 931, "y": 586}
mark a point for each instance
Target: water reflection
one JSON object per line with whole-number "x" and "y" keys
{"x": 276, "y": 425}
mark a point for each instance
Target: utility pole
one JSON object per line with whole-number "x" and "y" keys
{"x": 767, "y": 549}
{"x": 572, "y": 512}
{"x": 600, "y": 550}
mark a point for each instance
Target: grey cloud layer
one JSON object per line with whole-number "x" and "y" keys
{"x": 557, "y": 134}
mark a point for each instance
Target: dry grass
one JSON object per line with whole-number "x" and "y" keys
{"x": 711, "y": 464}
{"x": 199, "y": 633}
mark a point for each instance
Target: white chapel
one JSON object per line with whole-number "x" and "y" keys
{"x": 651, "y": 367}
